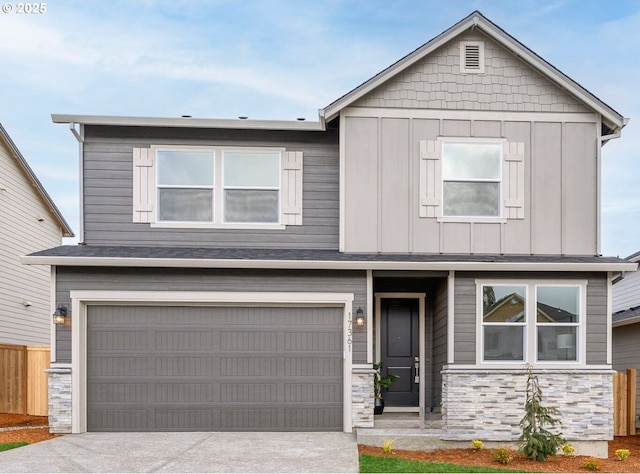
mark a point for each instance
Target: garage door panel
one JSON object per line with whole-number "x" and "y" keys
{"x": 184, "y": 392}
{"x": 313, "y": 392}
{"x": 192, "y": 341}
{"x": 214, "y": 368}
{"x": 120, "y": 420}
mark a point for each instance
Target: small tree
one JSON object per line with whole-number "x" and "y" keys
{"x": 536, "y": 442}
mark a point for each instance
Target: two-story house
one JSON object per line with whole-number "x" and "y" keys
{"x": 442, "y": 217}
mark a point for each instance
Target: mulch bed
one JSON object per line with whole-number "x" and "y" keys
{"x": 30, "y": 434}
{"x": 484, "y": 457}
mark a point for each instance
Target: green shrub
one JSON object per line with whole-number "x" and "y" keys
{"x": 593, "y": 464}
{"x": 622, "y": 454}
{"x": 477, "y": 444}
{"x": 503, "y": 455}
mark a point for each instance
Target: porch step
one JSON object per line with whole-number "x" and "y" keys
{"x": 404, "y": 438}
{"x": 408, "y": 420}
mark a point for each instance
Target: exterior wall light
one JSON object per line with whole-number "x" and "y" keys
{"x": 60, "y": 315}
{"x": 359, "y": 317}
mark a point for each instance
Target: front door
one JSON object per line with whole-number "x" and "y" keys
{"x": 400, "y": 349}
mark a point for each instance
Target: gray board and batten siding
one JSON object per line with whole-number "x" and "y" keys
{"x": 159, "y": 368}
{"x": 210, "y": 280}
{"x": 466, "y": 316}
{"x": 381, "y": 135}
{"x": 108, "y": 188}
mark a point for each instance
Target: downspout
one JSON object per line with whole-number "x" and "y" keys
{"x": 79, "y": 134}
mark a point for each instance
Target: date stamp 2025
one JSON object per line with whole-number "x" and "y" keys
{"x": 24, "y": 8}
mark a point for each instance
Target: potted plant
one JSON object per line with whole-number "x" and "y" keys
{"x": 379, "y": 383}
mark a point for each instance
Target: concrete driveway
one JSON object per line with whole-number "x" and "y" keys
{"x": 187, "y": 452}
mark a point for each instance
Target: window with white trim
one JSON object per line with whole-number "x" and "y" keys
{"x": 251, "y": 181}
{"x": 184, "y": 186}
{"x": 531, "y": 322}
{"x": 471, "y": 178}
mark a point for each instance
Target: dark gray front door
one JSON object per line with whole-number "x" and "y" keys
{"x": 400, "y": 346}
{"x": 172, "y": 368}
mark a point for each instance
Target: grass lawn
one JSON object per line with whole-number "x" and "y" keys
{"x": 370, "y": 463}
{"x": 8, "y": 446}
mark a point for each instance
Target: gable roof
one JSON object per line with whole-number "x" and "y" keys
{"x": 476, "y": 20}
{"x": 46, "y": 199}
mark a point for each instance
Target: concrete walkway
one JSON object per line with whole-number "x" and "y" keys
{"x": 187, "y": 452}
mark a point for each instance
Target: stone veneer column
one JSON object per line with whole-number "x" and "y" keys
{"x": 59, "y": 399}
{"x": 362, "y": 399}
{"x": 489, "y": 404}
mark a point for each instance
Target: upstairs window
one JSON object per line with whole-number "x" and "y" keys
{"x": 472, "y": 179}
{"x": 217, "y": 187}
{"x": 186, "y": 185}
{"x": 471, "y": 174}
{"x": 251, "y": 186}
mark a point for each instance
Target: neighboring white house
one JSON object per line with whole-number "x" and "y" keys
{"x": 626, "y": 323}
{"x": 29, "y": 221}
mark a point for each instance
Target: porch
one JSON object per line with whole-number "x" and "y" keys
{"x": 407, "y": 430}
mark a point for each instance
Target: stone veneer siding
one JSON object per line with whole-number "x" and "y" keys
{"x": 362, "y": 399}
{"x": 489, "y": 404}
{"x": 59, "y": 399}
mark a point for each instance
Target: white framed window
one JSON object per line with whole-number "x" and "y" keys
{"x": 471, "y": 179}
{"x": 217, "y": 187}
{"x": 251, "y": 183}
{"x": 538, "y": 322}
{"x": 185, "y": 185}
{"x": 558, "y": 322}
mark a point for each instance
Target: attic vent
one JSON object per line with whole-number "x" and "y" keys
{"x": 472, "y": 57}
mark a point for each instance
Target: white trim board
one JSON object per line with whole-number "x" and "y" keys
{"x": 327, "y": 264}
{"x": 82, "y": 298}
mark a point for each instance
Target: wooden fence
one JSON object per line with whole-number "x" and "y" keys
{"x": 23, "y": 383}
{"x": 624, "y": 403}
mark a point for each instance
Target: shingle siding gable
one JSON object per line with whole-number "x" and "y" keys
{"x": 436, "y": 82}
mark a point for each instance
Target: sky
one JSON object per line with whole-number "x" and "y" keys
{"x": 284, "y": 59}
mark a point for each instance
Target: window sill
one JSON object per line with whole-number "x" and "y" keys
{"x": 473, "y": 220}
{"x": 204, "y": 225}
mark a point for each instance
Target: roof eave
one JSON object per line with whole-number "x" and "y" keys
{"x": 22, "y": 162}
{"x": 626, "y": 322}
{"x": 325, "y": 264}
{"x": 179, "y": 122}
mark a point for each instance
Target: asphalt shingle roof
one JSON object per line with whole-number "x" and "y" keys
{"x": 91, "y": 251}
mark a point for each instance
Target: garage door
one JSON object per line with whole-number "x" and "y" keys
{"x": 173, "y": 368}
